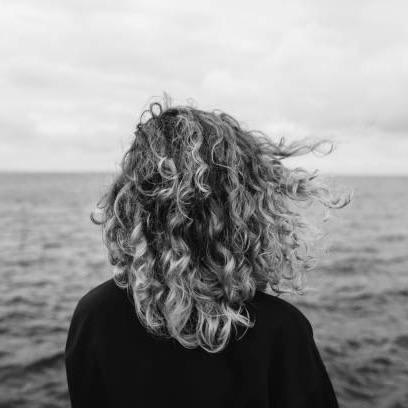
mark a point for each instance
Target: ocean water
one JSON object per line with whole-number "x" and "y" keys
{"x": 51, "y": 255}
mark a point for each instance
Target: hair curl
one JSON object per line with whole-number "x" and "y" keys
{"x": 201, "y": 216}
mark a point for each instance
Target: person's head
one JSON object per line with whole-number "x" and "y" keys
{"x": 202, "y": 215}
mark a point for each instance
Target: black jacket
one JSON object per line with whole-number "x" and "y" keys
{"x": 112, "y": 361}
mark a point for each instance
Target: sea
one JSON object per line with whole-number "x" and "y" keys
{"x": 51, "y": 255}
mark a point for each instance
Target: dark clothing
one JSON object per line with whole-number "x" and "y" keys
{"x": 112, "y": 361}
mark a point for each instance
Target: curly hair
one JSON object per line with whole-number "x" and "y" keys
{"x": 201, "y": 216}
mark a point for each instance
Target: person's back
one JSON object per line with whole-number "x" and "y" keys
{"x": 113, "y": 362}
{"x": 198, "y": 235}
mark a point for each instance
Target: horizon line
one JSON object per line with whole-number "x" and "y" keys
{"x": 79, "y": 172}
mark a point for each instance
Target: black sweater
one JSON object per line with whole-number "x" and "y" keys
{"x": 112, "y": 361}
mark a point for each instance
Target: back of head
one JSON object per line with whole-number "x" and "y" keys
{"x": 200, "y": 217}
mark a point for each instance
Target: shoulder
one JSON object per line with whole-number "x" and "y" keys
{"x": 281, "y": 314}
{"x": 101, "y": 300}
{"x": 94, "y": 310}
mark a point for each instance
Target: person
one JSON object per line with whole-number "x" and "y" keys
{"x": 204, "y": 229}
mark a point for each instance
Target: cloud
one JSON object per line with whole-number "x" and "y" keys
{"x": 75, "y": 75}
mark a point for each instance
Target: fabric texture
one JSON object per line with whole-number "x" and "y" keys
{"x": 113, "y": 361}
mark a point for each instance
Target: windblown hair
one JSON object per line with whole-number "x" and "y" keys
{"x": 201, "y": 216}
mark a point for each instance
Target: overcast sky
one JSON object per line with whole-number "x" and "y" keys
{"x": 75, "y": 75}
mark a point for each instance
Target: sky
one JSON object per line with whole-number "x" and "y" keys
{"x": 75, "y": 76}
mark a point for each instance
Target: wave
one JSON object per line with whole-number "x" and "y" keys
{"x": 46, "y": 362}
{"x": 392, "y": 237}
{"x": 43, "y": 363}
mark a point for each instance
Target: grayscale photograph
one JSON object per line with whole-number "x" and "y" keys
{"x": 203, "y": 204}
